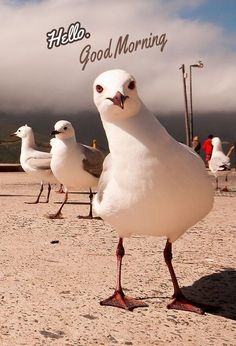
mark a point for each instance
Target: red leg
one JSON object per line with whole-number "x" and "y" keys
{"x": 180, "y": 302}
{"x": 60, "y": 189}
{"x": 58, "y": 214}
{"x": 119, "y": 299}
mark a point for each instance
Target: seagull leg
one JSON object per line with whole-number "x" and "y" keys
{"x": 90, "y": 215}
{"x": 40, "y": 193}
{"x": 60, "y": 189}
{"x": 180, "y": 302}
{"x": 217, "y": 184}
{"x": 49, "y": 190}
{"x": 48, "y": 194}
{"x": 119, "y": 299}
{"x": 58, "y": 214}
{"x": 225, "y": 189}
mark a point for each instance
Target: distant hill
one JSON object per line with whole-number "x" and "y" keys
{"x": 88, "y": 126}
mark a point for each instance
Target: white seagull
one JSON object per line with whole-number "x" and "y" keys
{"x": 33, "y": 161}
{"x": 75, "y": 165}
{"x": 219, "y": 163}
{"x": 151, "y": 184}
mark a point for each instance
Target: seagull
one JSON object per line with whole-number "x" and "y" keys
{"x": 219, "y": 163}
{"x": 33, "y": 161}
{"x": 75, "y": 165}
{"x": 150, "y": 185}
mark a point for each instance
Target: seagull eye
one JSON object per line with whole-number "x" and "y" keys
{"x": 131, "y": 85}
{"x": 65, "y": 128}
{"x": 99, "y": 88}
{"x": 18, "y": 130}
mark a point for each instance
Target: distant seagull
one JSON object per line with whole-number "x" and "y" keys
{"x": 151, "y": 184}
{"x": 33, "y": 161}
{"x": 60, "y": 190}
{"x": 219, "y": 163}
{"x": 75, "y": 165}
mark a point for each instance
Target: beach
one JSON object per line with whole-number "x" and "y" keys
{"x": 55, "y": 272}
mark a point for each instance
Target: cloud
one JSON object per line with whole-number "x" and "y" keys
{"x": 34, "y": 77}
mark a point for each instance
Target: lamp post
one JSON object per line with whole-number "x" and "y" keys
{"x": 199, "y": 65}
{"x": 186, "y": 115}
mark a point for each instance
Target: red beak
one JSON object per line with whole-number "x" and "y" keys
{"x": 118, "y": 99}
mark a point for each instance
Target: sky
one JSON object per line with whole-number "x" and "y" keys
{"x": 35, "y": 78}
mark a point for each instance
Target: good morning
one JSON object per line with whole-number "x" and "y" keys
{"x": 123, "y": 46}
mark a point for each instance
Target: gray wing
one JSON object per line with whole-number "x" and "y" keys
{"x": 93, "y": 161}
{"x": 219, "y": 163}
{"x": 36, "y": 154}
{"x": 39, "y": 164}
{"x": 103, "y": 181}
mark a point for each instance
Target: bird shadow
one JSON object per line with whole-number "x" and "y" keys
{"x": 74, "y": 203}
{"x": 217, "y": 289}
{"x": 15, "y": 195}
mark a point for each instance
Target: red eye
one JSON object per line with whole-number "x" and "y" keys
{"x": 131, "y": 85}
{"x": 99, "y": 88}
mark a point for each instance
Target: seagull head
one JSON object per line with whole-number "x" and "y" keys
{"x": 23, "y": 132}
{"x": 115, "y": 95}
{"x": 216, "y": 142}
{"x": 63, "y": 129}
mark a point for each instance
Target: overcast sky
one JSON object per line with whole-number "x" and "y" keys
{"x": 33, "y": 77}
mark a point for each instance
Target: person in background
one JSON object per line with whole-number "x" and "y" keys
{"x": 207, "y": 147}
{"x": 196, "y": 145}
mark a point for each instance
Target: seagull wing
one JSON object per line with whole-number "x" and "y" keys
{"x": 220, "y": 162}
{"x": 41, "y": 155}
{"x": 225, "y": 162}
{"x": 93, "y": 160}
{"x": 104, "y": 178}
{"x": 39, "y": 163}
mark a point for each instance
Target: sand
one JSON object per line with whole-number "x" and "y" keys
{"x": 50, "y": 293}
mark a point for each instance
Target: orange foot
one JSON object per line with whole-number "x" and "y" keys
{"x": 119, "y": 300}
{"x": 182, "y": 303}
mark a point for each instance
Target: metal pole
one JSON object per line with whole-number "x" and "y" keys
{"x": 191, "y": 104}
{"x": 199, "y": 65}
{"x": 235, "y": 154}
{"x": 186, "y": 114}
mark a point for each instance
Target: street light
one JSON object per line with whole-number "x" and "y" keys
{"x": 199, "y": 65}
{"x": 186, "y": 115}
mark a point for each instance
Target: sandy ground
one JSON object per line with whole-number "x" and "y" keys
{"x": 50, "y": 293}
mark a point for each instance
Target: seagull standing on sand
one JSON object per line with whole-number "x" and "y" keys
{"x": 219, "y": 163}
{"x": 35, "y": 162}
{"x": 75, "y": 165}
{"x": 151, "y": 184}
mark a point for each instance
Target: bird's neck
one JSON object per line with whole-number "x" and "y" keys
{"x": 140, "y": 132}
{"x": 216, "y": 148}
{"x": 69, "y": 141}
{"x": 28, "y": 142}
{"x": 65, "y": 143}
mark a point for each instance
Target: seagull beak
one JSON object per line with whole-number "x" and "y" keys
{"x": 55, "y": 132}
{"x": 118, "y": 99}
{"x": 13, "y": 134}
